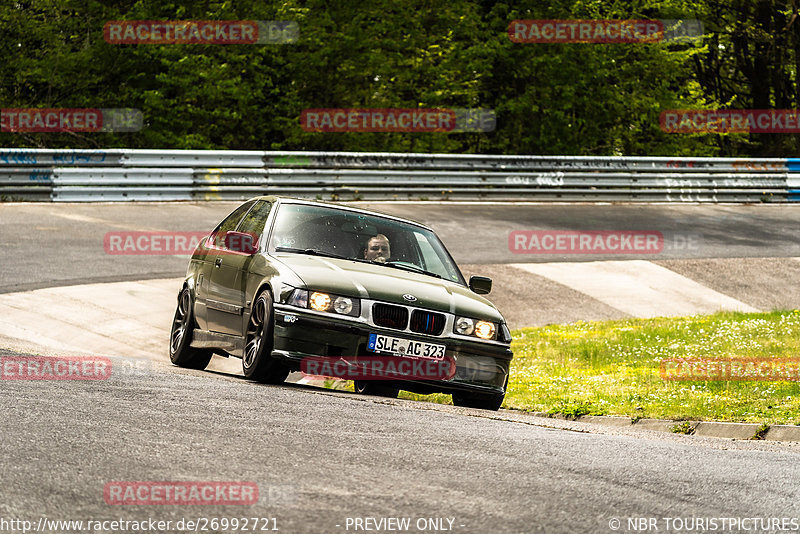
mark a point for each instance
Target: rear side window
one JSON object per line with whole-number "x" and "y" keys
{"x": 253, "y": 222}
{"x": 232, "y": 221}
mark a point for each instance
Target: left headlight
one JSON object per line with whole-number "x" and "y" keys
{"x": 473, "y": 327}
{"x": 325, "y": 302}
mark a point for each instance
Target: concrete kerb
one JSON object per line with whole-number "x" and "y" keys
{"x": 709, "y": 429}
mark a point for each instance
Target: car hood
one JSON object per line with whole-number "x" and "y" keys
{"x": 378, "y": 282}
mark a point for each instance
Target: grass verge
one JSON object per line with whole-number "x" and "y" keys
{"x": 612, "y": 368}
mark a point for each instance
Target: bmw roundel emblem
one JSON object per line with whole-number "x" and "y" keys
{"x": 410, "y": 298}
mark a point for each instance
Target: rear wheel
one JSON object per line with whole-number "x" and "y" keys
{"x": 257, "y": 361}
{"x": 366, "y": 387}
{"x": 181, "y": 352}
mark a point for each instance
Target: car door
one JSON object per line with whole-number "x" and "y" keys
{"x": 227, "y": 282}
{"x": 211, "y": 252}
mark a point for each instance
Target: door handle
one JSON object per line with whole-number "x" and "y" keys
{"x": 217, "y": 262}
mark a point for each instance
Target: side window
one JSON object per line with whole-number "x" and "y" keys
{"x": 232, "y": 221}
{"x": 432, "y": 261}
{"x": 253, "y": 222}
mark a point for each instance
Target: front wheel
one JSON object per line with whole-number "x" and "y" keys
{"x": 181, "y": 352}
{"x": 257, "y": 361}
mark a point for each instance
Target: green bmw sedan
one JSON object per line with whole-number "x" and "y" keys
{"x": 289, "y": 285}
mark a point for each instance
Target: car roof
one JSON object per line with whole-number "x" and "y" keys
{"x": 291, "y": 200}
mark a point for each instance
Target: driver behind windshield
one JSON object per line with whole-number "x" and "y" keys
{"x": 377, "y": 249}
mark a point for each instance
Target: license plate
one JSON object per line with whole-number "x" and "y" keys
{"x": 405, "y": 347}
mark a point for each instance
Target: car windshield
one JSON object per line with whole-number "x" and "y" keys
{"x": 325, "y": 231}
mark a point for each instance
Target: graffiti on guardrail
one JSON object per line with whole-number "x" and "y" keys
{"x": 68, "y": 157}
{"x": 542, "y": 178}
{"x": 758, "y": 166}
{"x": 587, "y": 164}
{"x": 72, "y": 158}
{"x": 750, "y": 182}
{"x": 371, "y": 161}
{"x": 40, "y": 176}
{"x": 687, "y": 183}
{"x": 677, "y": 164}
{"x": 19, "y": 158}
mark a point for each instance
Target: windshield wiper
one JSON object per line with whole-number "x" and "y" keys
{"x": 410, "y": 267}
{"x": 311, "y": 252}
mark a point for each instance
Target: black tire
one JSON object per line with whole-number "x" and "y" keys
{"x": 482, "y": 402}
{"x": 367, "y": 387}
{"x": 180, "y": 336}
{"x": 257, "y": 361}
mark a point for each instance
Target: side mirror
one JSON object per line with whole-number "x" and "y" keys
{"x": 241, "y": 242}
{"x": 480, "y": 285}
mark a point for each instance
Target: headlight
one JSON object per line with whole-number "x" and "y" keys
{"x": 299, "y": 298}
{"x": 472, "y": 327}
{"x": 343, "y": 305}
{"x": 325, "y": 302}
{"x": 320, "y": 301}
{"x": 464, "y": 326}
{"x": 485, "y": 330}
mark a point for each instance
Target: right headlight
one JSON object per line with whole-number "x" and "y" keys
{"x": 474, "y": 327}
{"x": 325, "y": 302}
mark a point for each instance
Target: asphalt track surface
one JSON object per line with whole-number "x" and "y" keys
{"x": 57, "y": 244}
{"x": 320, "y": 457}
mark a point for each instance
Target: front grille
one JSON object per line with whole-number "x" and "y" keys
{"x": 390, "y": 316}
{"x": 426, "y": 322}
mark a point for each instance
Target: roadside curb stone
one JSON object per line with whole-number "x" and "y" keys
{"x": 783, "y": 433}
{"x": 709, "y": 429}
{"x": 726, "y": 430}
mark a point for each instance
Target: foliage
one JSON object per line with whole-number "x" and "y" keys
{"x": 683, "y": 428}
{"x": 602, "y": 99}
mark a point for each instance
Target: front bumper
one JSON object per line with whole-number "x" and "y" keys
{"x": 480, "y": 367}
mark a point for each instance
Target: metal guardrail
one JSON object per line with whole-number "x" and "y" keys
{"x": 129, "y": 175}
